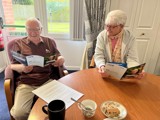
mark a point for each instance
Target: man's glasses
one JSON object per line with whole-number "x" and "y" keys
{"x": 33, "y": 30}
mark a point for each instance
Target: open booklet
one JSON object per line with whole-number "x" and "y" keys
{"x": 34, "y": 60}
{"x": 119, "y": 72}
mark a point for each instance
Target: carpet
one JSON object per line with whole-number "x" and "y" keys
{"x": 4, "y": 113}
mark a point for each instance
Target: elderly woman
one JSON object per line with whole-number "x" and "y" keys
{"x": 115, "y": 44}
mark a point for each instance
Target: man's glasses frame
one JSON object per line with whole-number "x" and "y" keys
{"x": 33, "y": 29}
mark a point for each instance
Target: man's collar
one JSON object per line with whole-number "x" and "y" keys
{"x": 28, "y": 40}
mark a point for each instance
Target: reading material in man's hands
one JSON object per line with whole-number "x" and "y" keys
{"x": 19, "y": 57}
{"x": 118, "y": 71}
{"x": 34, "y": 60}
{"x": 56, "y": 90}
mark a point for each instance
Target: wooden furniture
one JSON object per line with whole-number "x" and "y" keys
{"x": 92, "y": 64}
{"x": 140, "y": 97}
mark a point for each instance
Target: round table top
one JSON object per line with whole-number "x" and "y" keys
{"x": 140, "y": 97}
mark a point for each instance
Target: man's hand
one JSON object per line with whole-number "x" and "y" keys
{"x": 59, "y": 61}
{"x": 21, "y": 68}
{"x": 27, "y": 69}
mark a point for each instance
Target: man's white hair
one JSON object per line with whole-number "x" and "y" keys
{"x": 33, "y": 20}
{"x": 116, "y": 17}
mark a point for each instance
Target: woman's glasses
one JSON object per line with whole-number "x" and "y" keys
{"x": 111, "y": 26}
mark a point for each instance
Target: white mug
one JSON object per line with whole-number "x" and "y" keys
{"x": 88, "y": 108}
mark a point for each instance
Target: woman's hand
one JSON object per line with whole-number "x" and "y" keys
{"x": 101, "y": 70}
{"x": 59, "y": 61}
{"x": 140, "y": 75}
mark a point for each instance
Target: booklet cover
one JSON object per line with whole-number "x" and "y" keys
{"x": 34, "y": 60}
{"x": 134, "y": 70}
{"x": 19, "y": 57}
{"x": 119, "y": 72}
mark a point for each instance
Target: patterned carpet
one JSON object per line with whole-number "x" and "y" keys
{"x": 4, "y": 113}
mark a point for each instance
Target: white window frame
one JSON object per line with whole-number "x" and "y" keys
{"x": 76, "y": 20}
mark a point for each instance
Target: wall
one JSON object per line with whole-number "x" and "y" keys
{"x": 72, "y": 51}
{"x": 2, "y": 61}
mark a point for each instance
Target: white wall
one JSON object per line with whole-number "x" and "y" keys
{"x": 72, "y": 51}
{"x": 2, "y": 61}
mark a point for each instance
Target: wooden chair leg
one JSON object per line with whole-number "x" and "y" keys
{"x": 8, "y": 95}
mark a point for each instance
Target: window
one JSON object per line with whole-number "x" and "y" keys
{"x": 22, "y": 9}
{"x": 16, "y": 13}
{"x": 60, "y": 18}
{"x": 70, "y": 20}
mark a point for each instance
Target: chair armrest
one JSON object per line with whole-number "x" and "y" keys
{"x": 92, "y": 64}
{"x": 7, "y": 84}
{"x": 65, "y": 72}
{"x": 9, "y": 73}
{"x": 10, "y": 85}
{"x": 62, "y": 71}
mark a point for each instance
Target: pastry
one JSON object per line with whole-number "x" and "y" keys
{"x": 112, "y": 112}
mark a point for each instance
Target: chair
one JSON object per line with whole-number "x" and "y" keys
{"x": 92, "y": 63}
{"x": 10, "y": 76}
{"x": 88, "y": 56}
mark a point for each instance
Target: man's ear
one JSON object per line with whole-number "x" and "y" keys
{"x": 41, "y": 29}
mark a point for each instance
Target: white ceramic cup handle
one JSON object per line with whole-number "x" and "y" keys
{"x": 79, "y": 106}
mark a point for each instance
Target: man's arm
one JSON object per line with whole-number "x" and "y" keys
{"x": 21, "y": 68}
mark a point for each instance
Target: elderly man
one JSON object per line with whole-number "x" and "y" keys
{"x": 31, "y": 77}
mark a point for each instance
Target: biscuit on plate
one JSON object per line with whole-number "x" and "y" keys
{"x": 112, "y": 112}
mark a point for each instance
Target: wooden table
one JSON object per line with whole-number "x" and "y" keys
{"x": 140, "y": 97}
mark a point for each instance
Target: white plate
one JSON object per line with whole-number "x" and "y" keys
{"x": 122, "y": 109}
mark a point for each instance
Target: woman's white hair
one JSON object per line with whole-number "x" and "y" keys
{"x": 116, "y": 17}
{"x": 32, "y": 19}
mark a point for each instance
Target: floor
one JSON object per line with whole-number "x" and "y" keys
{"x": 4, "y": 113}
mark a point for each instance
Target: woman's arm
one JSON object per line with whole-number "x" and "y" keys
{"x": 99, "y": 56}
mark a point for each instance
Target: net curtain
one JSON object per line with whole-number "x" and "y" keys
{"x": 94, "y": 18}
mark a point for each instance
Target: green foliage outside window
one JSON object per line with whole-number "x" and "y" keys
{"x": 23, "y": 2}
{"x": 58, "y": 14}
{"x": 58, "y": 11}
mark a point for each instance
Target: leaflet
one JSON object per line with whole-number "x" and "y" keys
{"x": 34, "y": 60}
{"x": 119, "y": 72}
{"x": 56, "y": 90}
